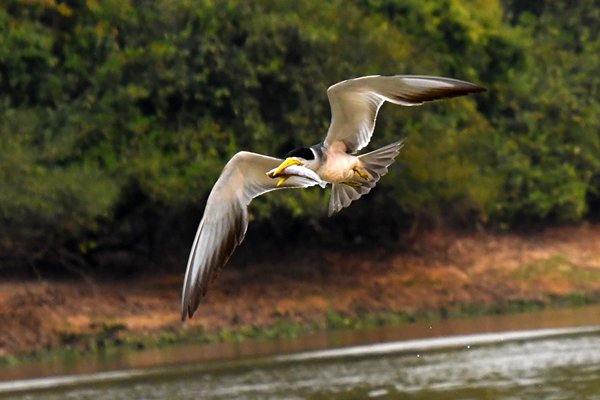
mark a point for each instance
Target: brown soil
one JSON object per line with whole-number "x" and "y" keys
{"x": 442, "y": 270}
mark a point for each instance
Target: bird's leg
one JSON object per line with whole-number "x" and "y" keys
{"x": 363, "y": 173}
{"x": 277, "y": 171}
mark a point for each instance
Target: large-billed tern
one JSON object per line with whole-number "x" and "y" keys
{"x": 354, "y": 106}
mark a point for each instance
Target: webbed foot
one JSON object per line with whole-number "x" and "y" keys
{"x": 358, "y": 170}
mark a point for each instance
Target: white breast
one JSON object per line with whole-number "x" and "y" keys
{"x": 338, "y": 167}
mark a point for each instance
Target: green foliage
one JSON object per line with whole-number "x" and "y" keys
{"x": 118, "y": 116}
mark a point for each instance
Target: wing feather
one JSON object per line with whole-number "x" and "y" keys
{"x": 356, "y": 102}
{"x": 225, "y": 221}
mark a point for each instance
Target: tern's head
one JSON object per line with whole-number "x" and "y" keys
{"x": 303, "y": 153}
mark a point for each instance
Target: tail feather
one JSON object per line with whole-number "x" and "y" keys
{"x": 342, "y": 195}
{"x": 376, "y": 163}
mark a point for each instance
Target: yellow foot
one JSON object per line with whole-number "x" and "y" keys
{"x": 361, "y": 172}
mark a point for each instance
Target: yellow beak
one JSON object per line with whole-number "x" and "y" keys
{"x": 277, "y": 172}
{"x": 288, "y": 161}
{"x": 282, "y": 180}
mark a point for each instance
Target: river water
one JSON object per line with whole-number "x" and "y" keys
{"x": 552, "y": 354}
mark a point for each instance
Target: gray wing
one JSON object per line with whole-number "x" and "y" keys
{"x": 225, "y": 220}
{"x": 355, "y": 102}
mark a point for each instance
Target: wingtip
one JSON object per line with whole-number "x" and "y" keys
{"x": 187, "y": 309}
{"x": 187, "y": 313}
{"x": 184, "y": 312}
{"x": 479, "y": 89}
{"x": 470, "y": 87}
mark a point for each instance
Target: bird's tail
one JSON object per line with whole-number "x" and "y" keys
{"x": 376, "y": 163}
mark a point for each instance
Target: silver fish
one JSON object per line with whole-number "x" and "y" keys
{"x": 298, "y": 170}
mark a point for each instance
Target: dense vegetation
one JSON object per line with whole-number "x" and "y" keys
{"x": 118, "y": 115}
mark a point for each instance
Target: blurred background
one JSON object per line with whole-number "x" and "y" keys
{"x": 118, "y": 116}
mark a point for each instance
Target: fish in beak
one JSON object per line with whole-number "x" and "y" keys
{"x": 294, "y": 167}
{"x": 274, "y": 173}
{"x": 279, "y": 171}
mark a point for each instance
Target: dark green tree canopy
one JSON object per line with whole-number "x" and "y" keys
{"x": 117, "y": 116}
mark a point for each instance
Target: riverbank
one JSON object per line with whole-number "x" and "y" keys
{"x": 440, "y": 275}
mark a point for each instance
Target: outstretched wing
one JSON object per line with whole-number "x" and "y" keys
{"x": 225, "y": 220}
{"x": 355, "y": 102}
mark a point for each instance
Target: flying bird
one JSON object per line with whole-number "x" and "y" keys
{"x": 354, "y": 107}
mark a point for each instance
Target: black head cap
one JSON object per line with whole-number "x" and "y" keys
{"x": 304, "y": 153}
